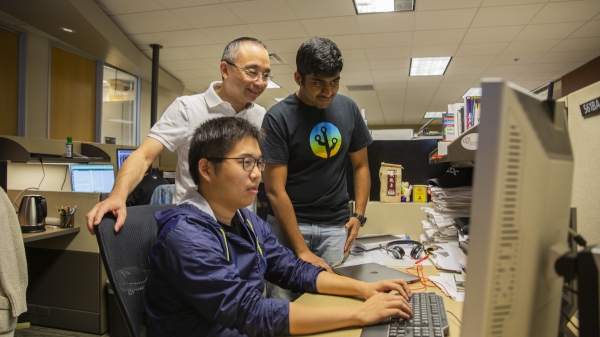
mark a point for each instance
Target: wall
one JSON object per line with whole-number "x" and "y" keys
{"x": 9, "y": 81}
{"x": 581, "y": 77}
{"x": 37, "y": 77}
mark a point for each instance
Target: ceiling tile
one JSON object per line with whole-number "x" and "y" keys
{"x": 288, "y": 58}
{"x": 578, "y": 44}
{"x": 347, "y": 41}
{"x": 590, "y": 29}
{"x": 386, "y": 22}
{"x": 185, "y": 3}
{"x": 212, "y": 50}
{"x": 472, "y": 60}
{"x": 381, "y": 73}
{"x": 389, "y": 64}
{"x": 437, "y": 37}
{"x": 183, "y": 38}
{"x": 347, "y": 74}
{"x": 383, "y": 40}
{"x": 391, "y": 81}
{"x": 548, "y": 31}
{"x": 158, "y": 21}
{"x": 182, "y": 75}
{"x": 469, "y": 70}
{"x": 308, "y": 9}
{"x": 525, "y": 47}
{"x": 449, "y": 78}
{"x": 546, "y": 67}
{"x": 534, "y": 77}
{"x": 173, "y": 54}
{"x": 478, "y": 49}
{"x": 493, "y": 3}
{"x": 520, "y": 58}
{"x": 356, "y": 65}
{"x": 148, "y": 39}
{"x": 279, "y": 70}
{"x": 448, "y": 98}
{"x": 279, "y": 30}
{"x": 432, "y": 5}
{"x": 228, "y": 33}
{"x": 208, "y": 16}
{"x": 262, "y": 11}
{"x": 567, "y": 11}
{"x": 284, "y": 46}
{"x": 357, "y": 81}
{"x": 395, "y": 88}
{"x": 354, "y": 54}
{"x": 434, "y": 51}
{"x": 388, "y": 53}
{"x": 125, "y": 26}
{"x": 506, "y": 15}
{"x": 492, "y": 34}
{"x": 130, "y": 6}
{"x": 331, "y": 26}
{"x": 572, "y": 56}
{"x": 185, "y": 65}
{"x": 446, "y": 19}
{"x": 506, "y": 69}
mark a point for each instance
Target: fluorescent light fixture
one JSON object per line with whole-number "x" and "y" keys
{"x": 472, "y": 92}
{"x": 429, "y": 66}
{"x": 380, "y": 6}
{"x": 435, "y": 114}
{"x": 68, "y": 30}
{"x": 279, "y": 99}
{"x": 273, "y": 85}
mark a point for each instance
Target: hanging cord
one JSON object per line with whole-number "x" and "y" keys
{"x": 43, "y": 172}
{"x": 65, "y": 179}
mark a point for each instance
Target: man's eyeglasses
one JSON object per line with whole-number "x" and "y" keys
{"x": 253, "y": 74}
{"x": 248, "y": 163}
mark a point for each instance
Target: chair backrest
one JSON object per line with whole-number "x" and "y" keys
{"x": 125, "y": 255}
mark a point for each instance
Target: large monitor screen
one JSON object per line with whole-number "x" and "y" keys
{"x": 122, "y": 154}
{"x": 92, "y": 177}
{"x": 519, "y": 216}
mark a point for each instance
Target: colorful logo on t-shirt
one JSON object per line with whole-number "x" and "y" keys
{"x": 325, "y": 140}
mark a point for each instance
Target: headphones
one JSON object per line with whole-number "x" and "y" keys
{"x": 397, "y": 251}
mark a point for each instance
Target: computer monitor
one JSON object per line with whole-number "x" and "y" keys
{"x": 122, "y": 154}
{"x": 92, "y": 177}
{"x": 520, "y": 210}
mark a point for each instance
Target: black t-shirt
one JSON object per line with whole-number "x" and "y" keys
{"x": 314, "y": 144}
{"x": 236, "y": 228}
{"x": 142, "y": 194}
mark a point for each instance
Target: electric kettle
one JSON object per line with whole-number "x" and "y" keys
{"x": 32, "y": 213}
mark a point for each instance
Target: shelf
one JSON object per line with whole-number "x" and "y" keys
{"x": 49, "y": 233}
{"x": 31, "y": 150}
{"x": 461, "y": 152}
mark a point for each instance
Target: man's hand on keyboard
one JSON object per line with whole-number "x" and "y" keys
{"x": 381, "y": 306}
{"x": 400, "y": 286}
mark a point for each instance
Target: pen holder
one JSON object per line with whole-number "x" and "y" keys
{"x": 67, "y": 221}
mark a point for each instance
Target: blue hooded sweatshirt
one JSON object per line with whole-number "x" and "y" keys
{"x": 204, "y": 281}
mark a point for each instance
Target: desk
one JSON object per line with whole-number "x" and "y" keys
{"x": 48, "y": 233}
{"x": 329, "y": 300}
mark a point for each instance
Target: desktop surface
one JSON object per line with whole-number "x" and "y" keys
{"x": 321, "y": 300}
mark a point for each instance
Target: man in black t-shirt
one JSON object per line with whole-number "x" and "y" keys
{"x": 309, "y": 137}
{"x": 142, "y": 194}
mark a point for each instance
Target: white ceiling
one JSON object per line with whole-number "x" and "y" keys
{"x": 529, "y": 42}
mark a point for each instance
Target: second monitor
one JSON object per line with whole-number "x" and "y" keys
{"x": 122, "y": 154}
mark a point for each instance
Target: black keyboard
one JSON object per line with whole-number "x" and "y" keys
{"x": 429, "y": 320}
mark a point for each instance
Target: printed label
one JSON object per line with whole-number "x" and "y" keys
{"x": 469, "y": 142}
{"x": 391, "y": 183}
{"x": 590, "y": 108}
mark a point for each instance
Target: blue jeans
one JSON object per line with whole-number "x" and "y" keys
{"x": 326, "y": 240}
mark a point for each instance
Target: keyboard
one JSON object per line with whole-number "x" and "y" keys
{"x": 429, "y": 320}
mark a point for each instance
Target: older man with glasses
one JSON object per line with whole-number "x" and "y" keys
{"x": 245, "y": 71}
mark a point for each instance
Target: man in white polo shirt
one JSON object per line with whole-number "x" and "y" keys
{"x": 245, "y": 70}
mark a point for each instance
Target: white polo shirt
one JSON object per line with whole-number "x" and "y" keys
{"x": 177, "y": 125}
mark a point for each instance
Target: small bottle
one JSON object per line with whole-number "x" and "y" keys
{"x": 69, "y": 148}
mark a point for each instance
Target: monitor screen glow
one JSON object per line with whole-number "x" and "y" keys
{"x": 92, "y": 177}
{"x": 122, "y": 154}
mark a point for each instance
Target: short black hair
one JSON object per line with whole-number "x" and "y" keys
{"x": 319, "y": 56}
{"x": 216, "y": 137}
{"x": 231, "y": 52}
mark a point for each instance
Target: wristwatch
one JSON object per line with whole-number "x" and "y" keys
{"x": 360, "y": 218}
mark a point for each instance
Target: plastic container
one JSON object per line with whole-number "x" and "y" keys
{"x": 69, "y": 148}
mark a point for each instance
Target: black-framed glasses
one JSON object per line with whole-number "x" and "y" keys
{"x": 253, "y": 74}
{"x": 248, "y": 163}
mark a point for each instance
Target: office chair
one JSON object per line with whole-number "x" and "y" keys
{"x": 125, "y": 255}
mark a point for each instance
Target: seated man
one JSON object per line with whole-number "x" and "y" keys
{"x": 212, "y": 256}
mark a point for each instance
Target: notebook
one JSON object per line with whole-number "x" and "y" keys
{"x": 92, "y": 177}
{"x": 372, "y": 272}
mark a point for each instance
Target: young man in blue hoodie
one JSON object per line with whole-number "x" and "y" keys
{"x": 212, "y": 256}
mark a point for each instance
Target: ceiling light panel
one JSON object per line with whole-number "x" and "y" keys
{"x": 381, "y": 6}
{"x": 429, "y": 66}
